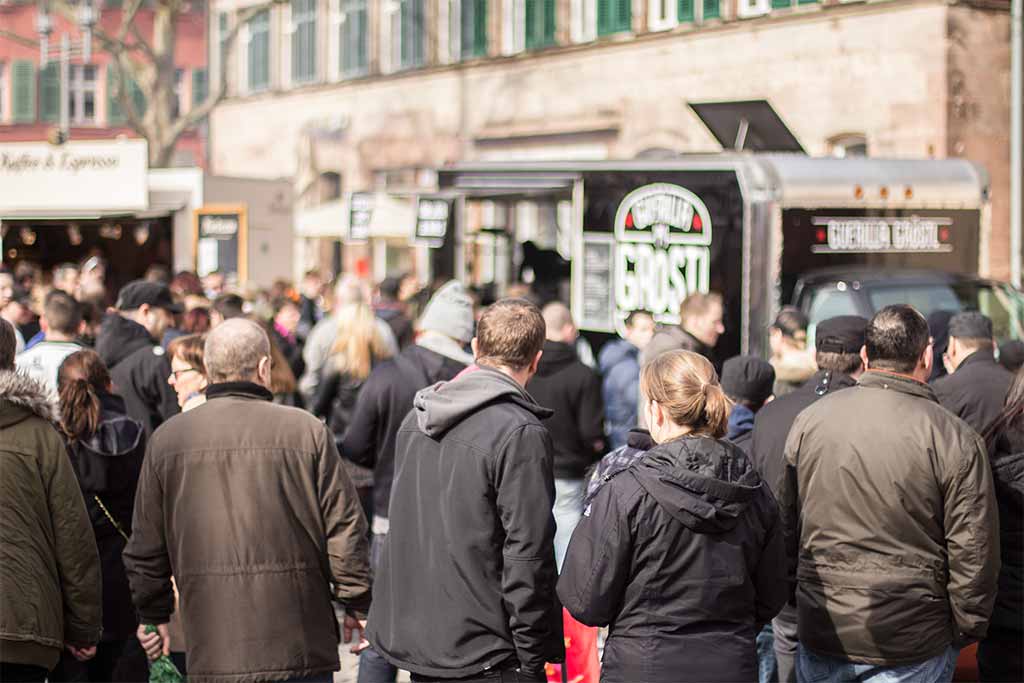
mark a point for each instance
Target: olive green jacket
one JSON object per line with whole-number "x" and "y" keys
{"x": 50, "y": 586}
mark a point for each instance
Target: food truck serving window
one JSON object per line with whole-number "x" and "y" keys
{"x": 652, "y": 238}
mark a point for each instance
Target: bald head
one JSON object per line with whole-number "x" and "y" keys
{"x": 234, "y": 352}
{"x": 558, "y": 323}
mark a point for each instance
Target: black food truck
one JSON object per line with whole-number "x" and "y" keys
{"x": 833, "y": 236}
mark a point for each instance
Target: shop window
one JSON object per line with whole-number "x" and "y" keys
{"x": 848, "y": 145}
{"x": 258, "y": 49}
{"x": 614, "y": 16}
{"x": 353, "y": 31}
{"x": 304, "y": 41}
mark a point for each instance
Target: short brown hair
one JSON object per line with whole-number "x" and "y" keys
{"x": 699, "y": 303}
{"x": 8, "y": 345}
{"x": 189, "y": 348}
{"x": 509, "y": 334}
{"x": 686, "y": 386}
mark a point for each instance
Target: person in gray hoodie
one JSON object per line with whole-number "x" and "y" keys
{"x": 466, "y": 585}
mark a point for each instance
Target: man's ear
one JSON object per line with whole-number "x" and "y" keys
{"x": 928, "y": 358}
{"x": 473, "y": 346}
{"x": 536, "y": 362}
{"x": 864, "y": 357}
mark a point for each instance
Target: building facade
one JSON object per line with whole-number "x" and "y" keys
{"x": 30, "y": 91}
{"x": 373, "y": 95}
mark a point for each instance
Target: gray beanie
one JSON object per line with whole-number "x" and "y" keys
{"x": 450, "y": 312}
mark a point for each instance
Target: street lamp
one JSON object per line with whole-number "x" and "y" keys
{"x": 68, "y": 49}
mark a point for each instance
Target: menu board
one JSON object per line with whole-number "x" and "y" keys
{"x": 433, "y": 216}
{"x": 360, "y": 216}
{"x": 220, "y": 240}
{"x": 598, "y": 306}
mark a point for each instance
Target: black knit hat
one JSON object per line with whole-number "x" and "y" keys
{"x": 748, "y": 378}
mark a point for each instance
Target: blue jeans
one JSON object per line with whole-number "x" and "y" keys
{"x": 815, "y": 668}
{"x": 373, "y": 668}
{"x": 767, "y": 670}
{"x": 568, "y": 510}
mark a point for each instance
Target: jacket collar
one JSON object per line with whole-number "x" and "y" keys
{"x": 879, "y": 379}
{"x": 21, "y": 397}
{"x": 249, "y": 390}
{"x": 824, "y": 381}
{"x": 979, "y": 357}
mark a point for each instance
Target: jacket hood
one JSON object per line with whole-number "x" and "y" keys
{"x": 444, "y": 346}
{"x": 741, "y": 421}
{"x": 613, "y": 353}
{"x": 21, "y": 397}
{"x": 557, "y": 356}
{"x": 705, "y": 484}
{"x": 118, "y": 434}
{"x": 444, "y": 405}
{"x": 119, "y": 338}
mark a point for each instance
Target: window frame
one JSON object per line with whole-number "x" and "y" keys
{"x": 79, "y": 88}
{"x": 304, "y": 21}
{"x": 583, "y": 21}
{"x": 251, "y": 36}
{"x": 340, "y": 29}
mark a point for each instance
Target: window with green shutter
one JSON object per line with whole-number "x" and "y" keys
{"x": 259, "y": 51}
{"x": 685, "y": 11}
{"x": 781, "y": 4}
{"x": 540, "y": 23}
{"x": 354, "y": 29}
{"x": 614, "y": 16}
{"x": 712, "y": 9}
{"x": 413, "y": 29}
{"x": 115, "y": 114}
{"x": 303, "y": 41}
{"x": 200, "y": 86}
{"x": 49, "y": 93}
{"x": 23, "y": 91}
{"x": 473, "y": 25}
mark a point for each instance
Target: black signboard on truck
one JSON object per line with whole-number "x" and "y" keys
{"x": 652, "y": 238}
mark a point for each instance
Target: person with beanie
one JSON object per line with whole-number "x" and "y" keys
{"x": 437, "y": 355}
{"x": 748, "y": 381}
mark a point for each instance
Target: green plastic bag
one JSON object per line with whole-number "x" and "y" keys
{"x": 163, "y": 669}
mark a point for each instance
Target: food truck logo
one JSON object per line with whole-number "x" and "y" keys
{"x": 663, "y": 239}
{"x": 834, "y": 235}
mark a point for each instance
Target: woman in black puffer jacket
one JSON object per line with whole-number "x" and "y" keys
{"x": 1001, "y": 654}
{"x": 682, "y": 554}
{"x": 106, "y": 447}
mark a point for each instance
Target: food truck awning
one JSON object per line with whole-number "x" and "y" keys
{"x": 793, "y": 180}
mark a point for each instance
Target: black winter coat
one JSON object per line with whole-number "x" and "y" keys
{"x": 139, "y": 369}
{"x": 683, "y": 556}
{"x": 467, "y": 576}
{"x": 385, "y": 400}
{"x": 1007, "y": 457}
{"x": 108, "y": 465}
{"x": 772, "y": 424}
{"x": 336, "y": 400}
{"x": 573, "y": 392}
{"x": 976, "y": 391}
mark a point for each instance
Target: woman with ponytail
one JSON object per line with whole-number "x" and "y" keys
{"x": 106, "y": 447}
{"x": 682, "y": 553}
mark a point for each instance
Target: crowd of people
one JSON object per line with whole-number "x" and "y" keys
{"x": 206, "y": 474}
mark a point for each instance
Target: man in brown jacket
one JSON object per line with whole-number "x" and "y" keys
{"x": 49, "y": 567}
{"x": 247, "y": 504}
{"x": 890, "y": 497}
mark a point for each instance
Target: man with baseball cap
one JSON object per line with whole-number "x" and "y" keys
{"x": 128, "y": 342}
{"x": 976, "y": 386}
{"x": 838, "y": 342}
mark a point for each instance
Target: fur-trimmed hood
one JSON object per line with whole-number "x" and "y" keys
{"x": 21, "y": 396}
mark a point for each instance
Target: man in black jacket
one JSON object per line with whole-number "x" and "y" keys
{"x": 749, "y": 382}
{"x": 976, "y": 386}
{"x": 573, "y": 392}
{"x": 838, "y": 343}
{"x": 128, "y": 343}
{"x": 466, "y": 588}
{"x": 384, "y": 401}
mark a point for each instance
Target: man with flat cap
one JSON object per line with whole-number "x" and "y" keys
{"x": 838, "y": 342}
{"x": 129, "y": 345}
{"x": 748, "y": 381}
{"x": 976, "y": 386}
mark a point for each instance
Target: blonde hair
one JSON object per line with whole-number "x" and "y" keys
{"x": 686, "y": 386}
{"x": 359, "y": 343}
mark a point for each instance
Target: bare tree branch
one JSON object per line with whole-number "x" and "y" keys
{"x": 20, "y": 40}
